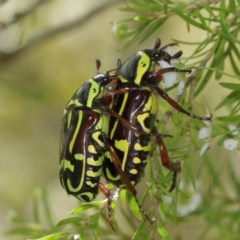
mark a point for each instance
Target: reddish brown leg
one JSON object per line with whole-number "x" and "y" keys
{"x": 107, "y": 194}
{"x": 156, "y": 77}
{"x": 175, "y": 105}
{"x": 174, "y": 167}
{"x": 126, "y": 181}
{"x": 123, "y": 121}
{"x": 108, "y": 100}
{"x": 108, "y": 95}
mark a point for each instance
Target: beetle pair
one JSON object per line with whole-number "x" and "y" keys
{"x": 108, "y": 127}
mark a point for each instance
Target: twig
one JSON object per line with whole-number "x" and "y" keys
{"x": 58, "y": 30}
{"x": 21, "y": 15}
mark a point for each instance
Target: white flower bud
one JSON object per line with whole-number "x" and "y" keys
{"x": 230, "y": 144}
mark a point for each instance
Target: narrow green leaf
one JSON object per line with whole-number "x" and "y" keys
{"x": 236, "y": 108}
{"x": 232, "y": 86}
{"x": 204, "y": 80}
{"x": 134, "y": 208}
{"x": 138, "y": 234}
{"x": 47, "y": 209}
{"x": 54, "y": 236}
{"x": 232, "y": 98}
{"x": 235, "y": 66}
{"x": 137, "y": 6}
{"x": 216, "y": 177}
{"x": 132, "y": 39}
{"x": 228, "y": 36}
{"x": 219, "y": 70}
{"x": 232, "y": 6}
{"x": 85, "y": 206}
{"x": 203, "y": 22}
{"x": 187, "y": 18}
{"x": 229, "y": 118}
{"x": 219, "y": 58}
{"x": 152, "y": 27}
{"x": 94, "y": 222}
{"x": 162, "y": 232}
{"x": 221, "y": 12}
{"x": 234, "y": 178}
{"x": 123, "y": 196}
{"x": 37, "y": 195}
{"x": 29, "y": 229}
{"x": 127, "y": 20}
{"x": 70, "y": 220}
{"x": 156, "y": 7}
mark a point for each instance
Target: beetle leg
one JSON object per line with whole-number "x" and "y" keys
{"x": 108, "y": 195}
{"x": 156, "y": 76}
{"x": 123, "y": 121}
{"x": 107, "y": 102}
{"x": 174, "y": 167}
{"x": 175, "y": 105}
{"x": 126, "y": 181}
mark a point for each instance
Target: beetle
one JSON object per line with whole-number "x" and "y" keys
{"x": 83, "y": 135}
{"x": 136, "y": 100}
{"x": 84, "y": 138}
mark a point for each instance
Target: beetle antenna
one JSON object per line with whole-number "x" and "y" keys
{"x": 157, "y": 43}
{"x": 98, "y": 64}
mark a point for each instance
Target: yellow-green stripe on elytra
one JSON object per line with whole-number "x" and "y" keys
{"x": 84, "y": 131}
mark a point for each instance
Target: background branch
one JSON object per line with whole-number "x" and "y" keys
{"x": 42, "y": 37}
{"x": 21, "y": 15}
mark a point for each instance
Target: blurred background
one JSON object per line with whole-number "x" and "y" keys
{"x": 48, "y": 49}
